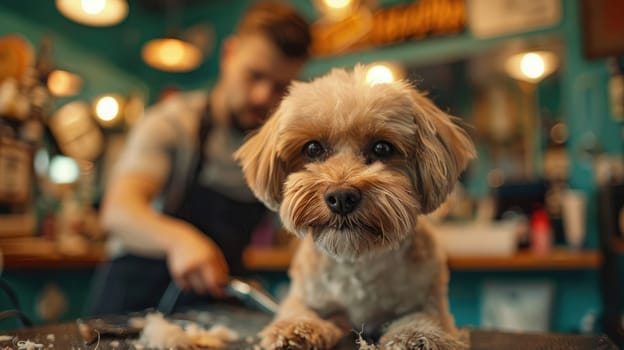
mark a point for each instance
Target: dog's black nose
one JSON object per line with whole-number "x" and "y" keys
{"x": 343, "y": 201}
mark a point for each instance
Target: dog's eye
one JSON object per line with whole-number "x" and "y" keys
{"x": 313, "y": 150}
{"x": 383, "y": 150}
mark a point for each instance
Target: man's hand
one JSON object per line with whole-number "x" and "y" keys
{"x": 196, "y": 262}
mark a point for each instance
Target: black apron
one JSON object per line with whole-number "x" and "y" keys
{"x": 134, "y": 283}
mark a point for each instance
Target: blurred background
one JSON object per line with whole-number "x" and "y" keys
{"x": 534, "y": 232}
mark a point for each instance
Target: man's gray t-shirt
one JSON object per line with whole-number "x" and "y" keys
{"x": 163, "y": 146}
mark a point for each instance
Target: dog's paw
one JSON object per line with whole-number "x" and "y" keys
{"x": 410, "y": 343}
{"x": 416, "y": 341}
{"x": 304, "y": 334}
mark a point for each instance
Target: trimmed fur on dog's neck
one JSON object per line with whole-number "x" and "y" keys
{"x": 397, "y": 249}
{"x": 379, "y": 288}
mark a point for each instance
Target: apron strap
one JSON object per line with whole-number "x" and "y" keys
{"x": 180, "y": 182}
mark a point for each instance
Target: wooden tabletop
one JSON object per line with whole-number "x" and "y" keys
{"x": 246, "y": 322}
{"x": 617, "y": 244}
{"x": 37, "y": 253}
{"x": 558, "y": 259}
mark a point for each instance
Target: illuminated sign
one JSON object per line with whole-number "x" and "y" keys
{"x": 389, "y": 25}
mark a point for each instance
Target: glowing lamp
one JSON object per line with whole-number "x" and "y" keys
{"x": 97, "y": 13}
{"x": 171, "y": 54}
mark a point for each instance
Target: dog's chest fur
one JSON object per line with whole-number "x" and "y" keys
{"x": 376, "y": 290}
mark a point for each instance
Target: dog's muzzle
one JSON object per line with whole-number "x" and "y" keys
{"x": 343, "y": 201}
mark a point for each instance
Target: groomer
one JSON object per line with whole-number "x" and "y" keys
{"x": 177, "y": 206}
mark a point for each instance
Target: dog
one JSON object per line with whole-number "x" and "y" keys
{"x": 352, "y": 167}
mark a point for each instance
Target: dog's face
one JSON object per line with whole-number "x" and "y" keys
{"x": 354, "y": 164}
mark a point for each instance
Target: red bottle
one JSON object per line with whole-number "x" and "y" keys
{"x": 541, "y": 232}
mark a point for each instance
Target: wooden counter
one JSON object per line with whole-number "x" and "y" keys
{"x": 558, "y": 259}
{"x": 36, "y": 253}
{"x": 617, "y": 245}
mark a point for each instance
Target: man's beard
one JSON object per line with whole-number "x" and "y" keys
{"x": 237, "y": 125}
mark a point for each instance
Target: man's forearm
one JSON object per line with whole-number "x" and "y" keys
{"x": 143, "y": 230}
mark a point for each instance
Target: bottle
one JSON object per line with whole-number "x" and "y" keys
{"x": 541, "y": 232}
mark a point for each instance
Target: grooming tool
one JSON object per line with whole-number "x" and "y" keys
{"x": 250, "y": 294}
{"x": 169, "y": 298}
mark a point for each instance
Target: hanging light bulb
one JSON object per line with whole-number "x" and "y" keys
{"x": 531, "y": 66}
{"x": 97, "y": 13}
{"x": 337, "y": 4}
{"x": 62, "y": 83}
{"x": 93, "y": 7}
{"x": 379, "y": 74}
{"x": 383, "y": 73}
{"x": 63, "y": 170}
{"x": 171, "y": 54}
{"x": 336, "y": 10}
{"x": 108, "y": 109}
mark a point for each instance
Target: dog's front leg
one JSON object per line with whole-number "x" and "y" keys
{"x": 298, "y": 327}
{"x": 421, "y": 331}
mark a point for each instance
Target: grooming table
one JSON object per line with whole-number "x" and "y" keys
{"x": 65, "y": 336}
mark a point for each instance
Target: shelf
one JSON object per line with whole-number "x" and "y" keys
{"x": 37, "y": 253}
{"x": 433, "y": 50}
{"x": 267, "y": 258}
{"x": 558, "y": 259}
{"x": 617, "y": 245}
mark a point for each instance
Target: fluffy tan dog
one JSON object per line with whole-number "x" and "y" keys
{"x": 350, "y": 166}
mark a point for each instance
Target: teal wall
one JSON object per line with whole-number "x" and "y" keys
{"x": 29, "y": 285}
{"x": 99, "y": 75}
{"x": 575, "y": 295}
{"x": 109, "y": 58}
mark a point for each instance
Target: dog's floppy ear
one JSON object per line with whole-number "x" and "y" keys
{"x": 443, "y": 153}
{"x": 263, "y": 170}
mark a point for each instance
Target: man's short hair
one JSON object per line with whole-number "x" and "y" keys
{"x": 281, "y": 24}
